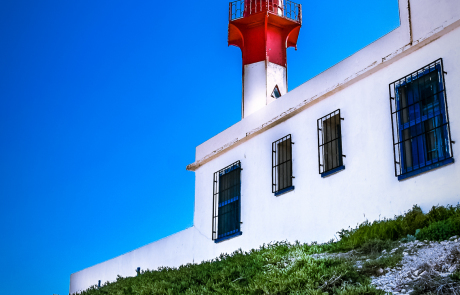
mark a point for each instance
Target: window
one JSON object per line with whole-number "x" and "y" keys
{"x": 421, "y": 132}
{"x": 282, "y": 165}
{"x": 226, "y": 203}
{"x": 276, "y": 92}
{"x": 330, "y": 144}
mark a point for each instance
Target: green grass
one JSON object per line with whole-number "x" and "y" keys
{"x": 455, "y": 276}
{"x": 284, "y": 268}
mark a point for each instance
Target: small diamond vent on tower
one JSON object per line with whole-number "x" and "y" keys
{"x": 276, "y": 92}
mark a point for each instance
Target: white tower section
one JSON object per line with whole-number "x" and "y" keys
{"x": 259, "y": 82}
{"x": 263, "y": 30}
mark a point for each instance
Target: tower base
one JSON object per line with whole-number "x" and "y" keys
{"x": 259, "y": 82}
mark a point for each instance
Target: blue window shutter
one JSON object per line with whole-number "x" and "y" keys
{"x": 421, "y": 116}
{"x": 229, "y": 201}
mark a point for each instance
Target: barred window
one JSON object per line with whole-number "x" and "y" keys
{"x": 226, "y": 202}
{"x": 330, "y": 144}
{"x": 421, "y": 131}
{"x": 282, "y": 165}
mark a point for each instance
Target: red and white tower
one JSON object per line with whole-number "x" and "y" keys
{"x": 263, "y": 30}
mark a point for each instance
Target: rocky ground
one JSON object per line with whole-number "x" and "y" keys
{"x": 426, "y": 267}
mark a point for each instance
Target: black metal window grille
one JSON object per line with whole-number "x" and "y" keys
{"x": 420, "y": 119}
{"x": 282, "y": 164}
{"x": 284, "y": 8}
{"x": 226, "y": 201}
{"x": 330, "y": 142}
{"x": 236, "y": 9}
{"x": 292, "y": 11}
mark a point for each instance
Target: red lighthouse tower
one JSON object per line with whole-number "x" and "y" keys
{"x": 263, "y": 30}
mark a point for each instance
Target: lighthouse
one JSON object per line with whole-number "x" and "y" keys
{"x": 263, "y": 30}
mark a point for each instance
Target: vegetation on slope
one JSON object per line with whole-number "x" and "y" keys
{"x": 435, "y": 225}
{"x": 284, "y": 268}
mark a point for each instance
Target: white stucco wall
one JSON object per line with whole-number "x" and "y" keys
{"x": 172, "y": 251}
{"x": 319, "y": 207}
{"x": 367, "y": 186}
{"x": 429, "y": 15}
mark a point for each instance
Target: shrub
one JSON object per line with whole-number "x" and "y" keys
{"x": 434, "y": 284}
{"x": 375, "y": 246}
{"x": 358, "y": 290}
{"x": 279, "y": 268}
{"x": 409, "y": 238}
{"x": 440, "y": 230}
{"x": 455, "y": 276}
{"x": 372, "y": 267}
{"x": 283, "y": 268}
{"x": 400, "y": 227}
{"x": 439, "y": 213}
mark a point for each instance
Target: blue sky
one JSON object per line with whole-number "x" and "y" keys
{"x": 102, "y": 104}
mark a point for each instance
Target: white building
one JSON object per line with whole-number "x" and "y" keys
{"x": 392, "y": 109}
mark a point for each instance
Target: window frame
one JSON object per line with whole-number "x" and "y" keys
{"x": 275, "y": 90}
{"x": 411, "y": 107}
{"x": 234, "y": 201}
{"x": 276, "y": 166}
{"x": 322, "y": 163}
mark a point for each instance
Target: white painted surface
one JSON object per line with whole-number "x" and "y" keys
{"x": 276, "y": 75}
{"x": 254, "y": 87}
{"x": 179, "y": 248}
{"x": 318, "y": 207}
{"x": 259, "y": 80}
{"x": 280, "y": 10}
{"x": 432, "y": 14}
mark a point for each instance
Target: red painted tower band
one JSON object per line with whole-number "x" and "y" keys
{"x": 264, "y": 29}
